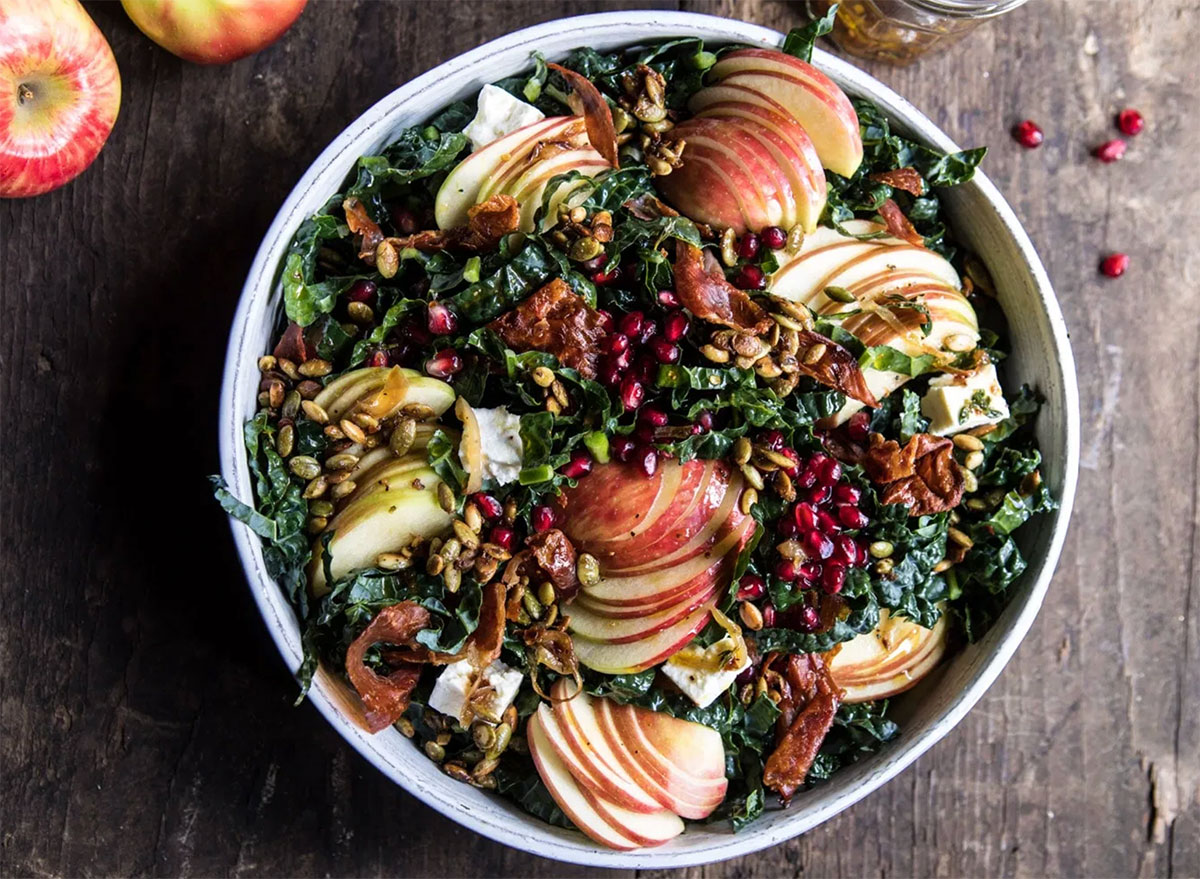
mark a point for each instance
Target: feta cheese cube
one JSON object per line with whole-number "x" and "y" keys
{"x": 499, "y": 114}
{"x": 689, "y": 669}
{"x": 501, "y": 449}
{"x": 956, "y": 403}
{"x": 458, "y": 680}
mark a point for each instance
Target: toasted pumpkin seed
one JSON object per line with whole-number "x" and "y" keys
{"x": 392, "y": 561}
{"x": 285, "y": 440}
{"x": 275, "y": 394}
{"x": 352, "y": 431}
{"x": 387, "y": 259}
{"x": 560, "y": 393}
{"x": 484, "y": 768}
{"x": 434, "y": 565}
{"x": 881, "y": 549}
{"x": 463, "y": 532}
{"x": 485, "y": 569}
{"x": 543, "y": 376}
{"x": 266, "y": 363}
{"x": 445, "y": 497}
{"x": 749, "y": 499}
{"x": 786, "y": 322}
{"x": 532, "y": 606}
{"x": 960, "y": 537}
{"x": 840, "y": 294}
{"x": 587, "y": 569}
{"x": 288, "y": 368}
{"x": 451, "y": 550}
{"x": 728, "y": 244}
{"x": 741, "y": 450}
{"x": 943, "y": 566}
{"x": 457, "y": 771}
{"x": 314, "y": 412}
{"x": 435, "y": 752}
{"x": 452, "y": 579}
{"x": 472, "y": 517}
{"x": 315, "y": 368}
{"x": 814, "y": 354}
{"x": 716, "y": 355}
{"x": 753, "y": 477}
{"x": 316, "y": 488}
{"x": 883, "y": 567}
{"x": 484, "y": 735}
{"x": 291, "y": 405}
{"x": 406, "y": 727}
{"x": 782, "y": 483}
{"x": 403, "y": 436}
{"x": 320, "y": 508}
{"x": 317, "y": 524}
{"x": 343, "y": 489}
{"x": 341, "y": 461}
{"x": 583, "y": 249}
{"x": 305, "y": 466}
{"x": 751, "y": 616}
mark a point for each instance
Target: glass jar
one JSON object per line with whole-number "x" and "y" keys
{"x": 900, "y": 31}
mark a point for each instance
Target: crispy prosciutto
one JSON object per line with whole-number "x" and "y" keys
{"x": 922, "y": 474}
{"x": 385, "y": 697}
{"x": 836, "y": 368}
{"x": 808, "y": 704}
{"x": 360, "y": 223}
{"x": 595, "y": 111}
{"x": 487, "y": 223}
{"x": 906, "y": 179}
{"x": 706, "y": 294}
{"x": 556, "y": 320}
{"x": 898, "y": 224}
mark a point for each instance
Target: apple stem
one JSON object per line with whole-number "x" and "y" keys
{"x": 24, "y": 93}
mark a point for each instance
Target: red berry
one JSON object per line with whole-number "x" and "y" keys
{"x": 404, "y": 220}
{"x": 415, "y": 331}
{"x": 644, "y": 433}
{"x": 793, "y": 470}
{"x": 649, "y": 331}
{"x": 653, "y": 416}
{"x": 810, "y": 618}
{"x": 829, "y": 472}
{"x": 610, "y": 374}
{"x": 595, "y": 263}
{"x": 606, "y": 320}
{"x": 442, "y": 321}
{"x": 664, "y": 351}
{"x": 774, "y": 237}
{"x": 579, "y": 465}
{"x": 858, "y": 428}
{"x": 444, "y": 364}
{"x": 818, "y": 545}
{"x": 819, "y": 494}
{"x": 623, "y": 360}
{"x": 805, "y": 516}
{"x": 647, "y": 367}
{"x": 826, "y": 523}
{"x": 809, "y": 572}
{"x": 1115, "y": 264}
{"x": 487, "y": 505}
{"x": 543, "y": 518}
{"x": 503, "y": 536}
{"x": 603, "y": 279}
{"x": 1028, "y": 134}
{"x": 668, "y": 299}
{"x": 1130, "y": 121}
{"x": 361, "y": 291}
{"x": 617, "y": 343}
{"x": 768, "y": 614}
{"x": 846, "y": 494}
{"x": 748, "y": 245}
{"x": 631, "y": 324}
{"x": 751, "y": 587}
{"x": 647, "y": 459}
{"x": 622, "y": 448}
{"x": 852, "y": 517}
{"x": 705, "y": 420}
{"x": 805, "y": 478}
{"x": 676, "y": 326}
{"x": 1109, "y": 151}
{"x": 833, "y": 578}
{"x": 750, "y": 278}
{"x": 845, "y": 550}
{"x": 773, "y": 439}
{"x": 379, "y": 357}
{"x": 785, "y": 569}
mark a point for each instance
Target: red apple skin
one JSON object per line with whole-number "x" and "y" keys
{"x": 213, "y": 31}
{"x": 59, "y": 94}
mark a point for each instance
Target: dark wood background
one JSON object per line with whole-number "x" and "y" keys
{"x": 146, "y": 724}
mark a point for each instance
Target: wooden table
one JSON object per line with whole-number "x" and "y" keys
{"x": 147, "y": 724}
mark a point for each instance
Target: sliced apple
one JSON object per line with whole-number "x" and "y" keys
{"x": 568, "y": 794}
{"x": 381, "y": 522}
{"x": 639, "y": 655}
{"x": 391, "y": 476}
{"x": 598, "y": 626}
{"x": 385, "y": 390}
{"x": 592, "y": 518}
{"x": 693, "y": 787}
{"x": 723, "y": 532}
{"x": 592, "y": 763}
{"x": 627, "y": 607}
{"x": 809, "y": 96}
{"x": 887, "y": 660}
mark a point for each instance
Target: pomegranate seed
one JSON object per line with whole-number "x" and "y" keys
{"x": 623, "y": 360}
{"x": 829, "y": 472}
{"x": 772, "y": 439}
{"x": 1028, "y": 134}
{"x": 664, "y": 351}
{"x": 622, "y": 448}
{"x": 579, "y": 465}
{"x": 595, "y": 263}
{"x": 1115, "y": 264}
{"x": 647, "y": 459}
{"x": 768, "y": 614}
{"x": 442, "y": 321}
{"x": 747, "y": 247}
{"x": 606, "y": 320}
{"x": 750, "y": 278}
{"x": 1110, "y": 151}
{"x": 810, "y": 618}
{"x": 644, "y": 433}
{"x": 826, "y": 523}
{"x": 833, "y": 578}
{"x": 705, "y": 420}
{"x": 846, "y": 494}
{"x": 819, "y": 494}
{"x": 746, "y": 675}
{"x": 809, "y": 572}
{"x": 444, "y": 364}
{"x": 805, "y": 478}
{"x": 631, "y": 393}
{"x": 631, "y": 324}
{"x": 676, "y": 326}
{"x": 805, "y": 516}
{"x": 785, "y": 570}
{"x": 503, "y": 536}
{"x": 668, "y": 299}
{"x": 774, "y": 237}
{"x": 543, "y": 518}
{"x": 610, "y": 375}
{"x": 604, "y": 278}
{"x": 858, "y": 428}
{"x": 852, "y": 517}
{"x": 404, "y": 220}
{"x": 361, "y": 291}
{"x": 751, "y": 587}
{"x": 794, "y": 470}
{"x": 818, "y": 545}
{"x": 787, "y": 527}
{"x": 618, "y": 343}
{"x": 649, "y": 331}
{"x": 1130, "y": 121}
{"x": 379, "y": 357}
{"x": 487, "y": 505}
{"x": 654, "y": 416}
{"x": 845, "y": 550}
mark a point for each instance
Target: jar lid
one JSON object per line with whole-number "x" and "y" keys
{"x": 967, "y": 8}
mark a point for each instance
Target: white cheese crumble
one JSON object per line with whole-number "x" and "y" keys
{"x": 499, "y": 114}
{"x": 501, "y": 449}
{"x": 689, "y": 669}
{"x": 955, "y": 402}
{"x": 457, "y": 682}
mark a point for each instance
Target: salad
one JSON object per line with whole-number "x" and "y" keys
{"x": 634, "y": 432}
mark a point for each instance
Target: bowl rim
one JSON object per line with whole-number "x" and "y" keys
{"x": 277, "y": 611}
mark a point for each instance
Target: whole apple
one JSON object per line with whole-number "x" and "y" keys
{"x": 213, "y": 31}
{"x": 59, "y": 94}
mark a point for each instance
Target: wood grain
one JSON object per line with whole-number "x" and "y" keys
{"x": 145, "y": 722}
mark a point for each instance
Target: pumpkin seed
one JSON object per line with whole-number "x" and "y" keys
{"x": 741, "y": 450}
{"x": 543, "y": 376}
{"x": 291, "y": 405}
{"x": 403, "y": 436}
{"x": 814, "y": 354}
{"x": 320, "y": 508}
{"x": 341, "y": 461}
{"x": 753, "y": 477}
{"x": 452, "y": 579}
{"x": 266, "y": 363}
{"x": 317, "y": 524}
{"x": 943, "y": 566}
{"x": 392, "y": 561}
{"x": 751, "y": 616}
{"x": 305, "y": 466}
{"x": 406, "y": 727}
{"x": 457, "y": 771}
{"x": 883, "y": 567}
{"x": 387, "y": 259}
{"x": 450, "y": 550}
{"x": 748, "y": 500}
{"x": 716, "y": 355}
{"x": 435, "y": 752}
{"x": 560, "y": 393}
{"x": 840, "y": 294}
{"x": 316, "y": 488}
{"x": 288, "y": 368}
{"x": 795, "y": 239}
{"x": 285, "y": 440}
{"x": 472, "y": 517}
{"x": 484, "y": 768}
{"x": 484, "y": 735}
{"x": 434, "y": 565}
{"x": 546, "y": 594}
{"x": 960, "y": 537}
{"x": 782, "y": 483}
{"x": 352, "y": 431}
{"x": 463, "y": 532}
{"x": 728, "y": 253}
{"x": 587, "y": 569}
{"x": 343, "y": 489}
{"x": 881, "y": 549}
{"x": 532, "y": 606}
{"x": 445, "y": 497}
{"x": 315, "y": 368}
{"x": 275, "y": 394}
{"x": 314, "y": 412}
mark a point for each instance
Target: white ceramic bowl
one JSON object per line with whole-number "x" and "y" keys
{"x": 1041, "y": 356}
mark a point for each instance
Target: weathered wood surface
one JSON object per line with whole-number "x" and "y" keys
{"x": 145, "y": 720}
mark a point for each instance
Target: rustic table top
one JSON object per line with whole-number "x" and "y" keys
{"x": 146, "y": 723}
